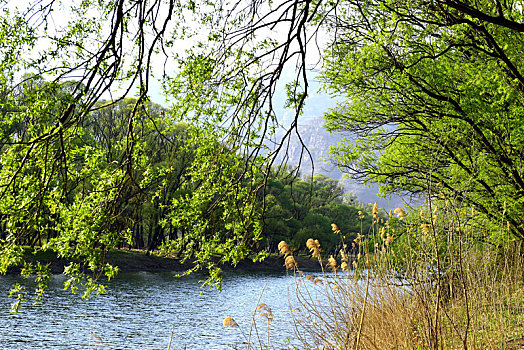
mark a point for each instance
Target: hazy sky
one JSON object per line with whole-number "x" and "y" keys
{"x": 316, "y": 104}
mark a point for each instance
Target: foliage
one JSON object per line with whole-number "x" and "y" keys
{"x": 80, "y": 175}
{"x": 72, "y": 190}
{"x": 300, "y": 209}
{"x": 109, "y": 166}
{"x": 434, "y": 93}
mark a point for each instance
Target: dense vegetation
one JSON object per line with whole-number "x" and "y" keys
{"x": 299, "y": 210}
{"x": 435, "y": 94}
{"x": 86, "y": 206}
{"x": 433, "y": 90}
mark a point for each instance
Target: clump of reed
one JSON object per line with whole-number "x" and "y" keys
{"x": 430, "y": 278}
{"x": 436, "y": 277}
{"x": 254, "y": 339}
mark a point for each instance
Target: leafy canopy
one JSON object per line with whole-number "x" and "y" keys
{"x": 80, "y": 168}
{"x": 434, "y": 91}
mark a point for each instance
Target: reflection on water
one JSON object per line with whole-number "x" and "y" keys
{"x": 140, "y": 310}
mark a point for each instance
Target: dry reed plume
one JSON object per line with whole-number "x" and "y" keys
{"x": 419, "y": 280}
{"x": 397, "y": 298}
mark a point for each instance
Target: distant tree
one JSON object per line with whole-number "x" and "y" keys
{"x": 315, "y": 226}
{"x": 165, "y": 160}
{"x": 306, "y": 209}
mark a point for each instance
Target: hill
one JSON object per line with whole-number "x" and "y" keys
{"x": 317, "y": 140}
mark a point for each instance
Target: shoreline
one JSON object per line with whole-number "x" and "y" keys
{"x": 138, "y": 261}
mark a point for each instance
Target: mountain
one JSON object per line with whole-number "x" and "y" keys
{"x": 317, "y": 141}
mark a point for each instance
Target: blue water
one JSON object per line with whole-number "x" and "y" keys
{"x": 141, "y": 310}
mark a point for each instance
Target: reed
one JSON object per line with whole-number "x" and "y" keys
{"x": 421, "y": 280}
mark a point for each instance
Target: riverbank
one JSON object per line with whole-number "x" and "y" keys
{"x": 138, "y": 260}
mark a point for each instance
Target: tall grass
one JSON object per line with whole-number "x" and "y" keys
{"x": 436, "y": 278}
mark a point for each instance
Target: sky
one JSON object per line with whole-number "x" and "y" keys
{"x": 317, "y": 102}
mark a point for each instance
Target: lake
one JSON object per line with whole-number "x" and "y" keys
{"x": 140, "y": 310}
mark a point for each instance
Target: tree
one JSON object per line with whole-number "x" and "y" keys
{"x": 325, "y": 190}
{"x": 298, "y": 210}
{"x": 442, "y": 78}
{"x": 58, "y": 182}
{"x": 434, "y": 90}
{"x": 162, "y": 176}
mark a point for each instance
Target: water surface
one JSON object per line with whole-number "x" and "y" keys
{"x": 140, "y": 310}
